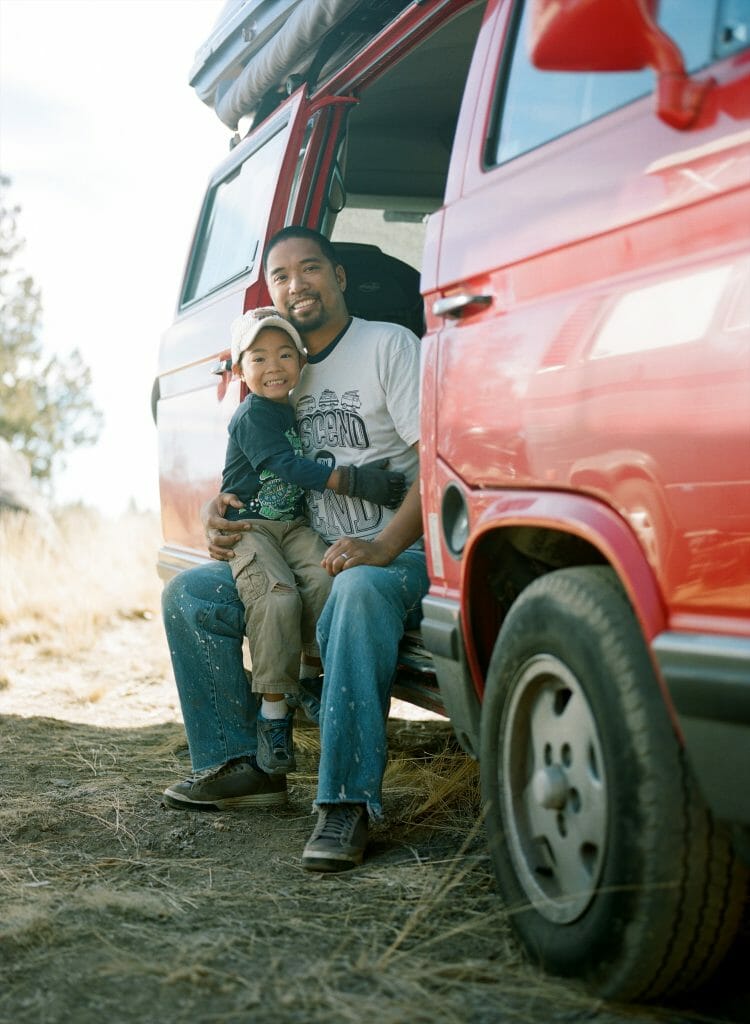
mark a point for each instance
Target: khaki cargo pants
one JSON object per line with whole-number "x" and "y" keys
{"x": 283, "y": 587}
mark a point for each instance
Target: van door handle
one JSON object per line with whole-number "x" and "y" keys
{"x": 454, "y": 305}
{"x": 222, "y": 367}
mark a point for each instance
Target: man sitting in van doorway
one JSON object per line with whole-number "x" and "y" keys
{"x": 374, "y": 555}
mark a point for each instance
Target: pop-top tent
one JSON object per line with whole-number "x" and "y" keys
{"x": 258, "y": 47}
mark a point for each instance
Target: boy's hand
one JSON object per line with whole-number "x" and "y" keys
{"x": 222, "y": 534}
{"x": 372, "y": 482}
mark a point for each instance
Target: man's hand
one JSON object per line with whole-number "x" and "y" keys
{"x": 222, "y": 534}
{"x": 402, "y": 531}
{"x": 347, "y": 552}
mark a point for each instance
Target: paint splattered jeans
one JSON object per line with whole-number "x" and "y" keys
{"x": 358, "y": 633}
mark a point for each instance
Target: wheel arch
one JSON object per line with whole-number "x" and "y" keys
{"x": 514, "y": 540}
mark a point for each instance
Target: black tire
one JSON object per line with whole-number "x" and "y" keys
{"x": 610, "y": 865}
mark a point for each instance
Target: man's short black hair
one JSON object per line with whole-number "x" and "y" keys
{"x": 298, "y": 231}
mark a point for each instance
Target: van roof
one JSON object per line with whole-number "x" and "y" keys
{"x": 256, "y": 45}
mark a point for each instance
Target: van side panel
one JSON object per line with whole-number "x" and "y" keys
{"x": 620, "y": 224}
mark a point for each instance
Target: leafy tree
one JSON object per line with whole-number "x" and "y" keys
{"x": 45, "y": 404}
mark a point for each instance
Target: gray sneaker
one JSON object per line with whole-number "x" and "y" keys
{"x": 339, "y": 839}
{"x": 236, "y": 784}
{"x": 275, "y": 744}
{"x": 308, "y": 698}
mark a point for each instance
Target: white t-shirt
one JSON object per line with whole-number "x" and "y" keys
{"x": 358, "y": 401}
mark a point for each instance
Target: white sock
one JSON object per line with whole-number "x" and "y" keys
{"x": 274, "y": 708}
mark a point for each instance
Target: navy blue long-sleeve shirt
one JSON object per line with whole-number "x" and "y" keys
{"x": 264, "y": 465}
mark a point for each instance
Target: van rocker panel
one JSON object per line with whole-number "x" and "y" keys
{"x": 442, "y": 636}
{"x": 708, "y": 678}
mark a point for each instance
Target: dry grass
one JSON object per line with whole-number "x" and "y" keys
{"x": 211, "y": 920}
{"x": 62, "y": 583}
{"x": 113, "y": 908}
{"x": 136, "y": 915}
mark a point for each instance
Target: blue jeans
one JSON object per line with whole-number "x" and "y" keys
{"x": 358, "y": 632}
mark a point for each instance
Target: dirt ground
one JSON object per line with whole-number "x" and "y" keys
{"x": 113, "y": 908}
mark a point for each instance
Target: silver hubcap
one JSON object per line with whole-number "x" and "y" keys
{"x": 555, "y": 793}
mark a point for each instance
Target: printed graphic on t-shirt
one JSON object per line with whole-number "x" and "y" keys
{"x": 329, "y": 424}
{"x": 350, "y": 400}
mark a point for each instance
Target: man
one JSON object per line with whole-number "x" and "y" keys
{"x": 374, "y": 555}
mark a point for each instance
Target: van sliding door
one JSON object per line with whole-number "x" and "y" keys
{"x": 247, "y": 199}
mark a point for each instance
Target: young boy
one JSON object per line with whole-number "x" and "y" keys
{"x": 277, "y": 564}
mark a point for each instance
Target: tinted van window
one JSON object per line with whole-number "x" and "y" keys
{"x": 233, "y": 221}
{"x": 539, "y": 106}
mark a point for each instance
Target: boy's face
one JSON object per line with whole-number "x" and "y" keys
{"x": 271, "y": 366}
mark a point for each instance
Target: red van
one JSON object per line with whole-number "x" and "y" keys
{"x": 556, "y": 195}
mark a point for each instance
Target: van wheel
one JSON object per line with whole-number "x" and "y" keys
{"x": 610, "y": 866}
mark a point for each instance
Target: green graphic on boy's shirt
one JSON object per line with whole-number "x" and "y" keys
{"x": 277, "y": 499}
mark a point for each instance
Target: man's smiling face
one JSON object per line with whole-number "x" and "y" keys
{"x": 307, "y": 288}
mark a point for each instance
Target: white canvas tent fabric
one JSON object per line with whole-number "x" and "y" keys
{"x": 288, "y": 51}
{"x": 241, "y": 31}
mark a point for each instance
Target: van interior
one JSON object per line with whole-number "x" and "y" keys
{"x": 393, "y": 163}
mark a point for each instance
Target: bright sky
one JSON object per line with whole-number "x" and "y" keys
{"x": 109, "y": 151}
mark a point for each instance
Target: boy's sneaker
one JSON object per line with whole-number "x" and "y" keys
{"x": 275, "y": 744}
{"x": 308, "y": 698}
{"x": 339, "y": 839}
{"x": 236, "y": 784}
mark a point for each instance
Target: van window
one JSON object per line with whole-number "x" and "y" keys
{"x": 538, "y": 106}
{"x": 400, "y": 233}
{"x": 234, "y": 220}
